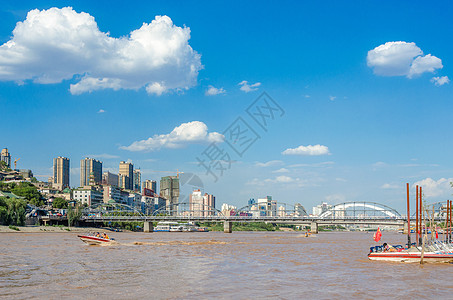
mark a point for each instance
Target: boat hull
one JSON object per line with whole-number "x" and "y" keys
{"x": 92, "y": 240}
{"x": 411, "y": 257}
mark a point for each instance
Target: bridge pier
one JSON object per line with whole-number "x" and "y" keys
{"x": 314, "y": 227}
{"x": 148, "y": 226}
{"x": 405, "y": 228}
{"x": 227, "y": 226}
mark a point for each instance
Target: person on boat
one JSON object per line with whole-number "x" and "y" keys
{"x": 389, "y": 248}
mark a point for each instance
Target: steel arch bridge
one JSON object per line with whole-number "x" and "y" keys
{"x": 263, "y": 210}
{"x": 111, "y": 208}
{"x": 356, "y": 210}
{"x": 188, "y": 209}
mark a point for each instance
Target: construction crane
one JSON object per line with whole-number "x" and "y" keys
{"x": 15, "y": 162}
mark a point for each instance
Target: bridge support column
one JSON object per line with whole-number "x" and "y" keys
{"x": 148, "y": 226}
{"x": 227, "y": 226}
{"x": 405, "y": 228}
{"x": 314, "y": 227}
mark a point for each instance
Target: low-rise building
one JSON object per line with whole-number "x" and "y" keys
{"x": 319, "y": 209}
{"x": 88, "y": 196}
{"x": 114, "y": 194}
{"x": 228, "y": 210}
{"x": 264, "y": 207}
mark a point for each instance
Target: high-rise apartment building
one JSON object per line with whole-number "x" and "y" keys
{"x": 5, "y": 156}
{"x": 196, "y": 203}
{"x": 150, "y": 185}
{"x": 127, "y": 175}
{"x": 169, "y": 189}
{"x": 209, "y": 202}
{"x": 60, "y": 172}
{"x": 110, "y": 179}
{"x": 90, "y": 172}
{"x": 201, "y": 205}
{"x": 137, "y": 180}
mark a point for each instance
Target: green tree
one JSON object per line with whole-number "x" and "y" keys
{"x": 59, "y": 203}
{"x": 4, "y": 166}
{"x": 34, "y": 180}
{"x": 12, "y": 211}
{"x": 74, "y": 214}
{"x": 29, "y": 192}
{"x": 5, "y": 186}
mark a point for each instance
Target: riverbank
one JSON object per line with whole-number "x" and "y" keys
{"x": 31, "y": 229}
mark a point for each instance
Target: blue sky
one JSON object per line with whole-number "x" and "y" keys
{"x": 364, "y": 87}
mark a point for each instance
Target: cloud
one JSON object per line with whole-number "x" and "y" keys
{"x": 282, "y": 179}
{"x": 332, "y": 98}
{"x": 326, "y": 164}
{"x": 282, "y": 170}
{"x": 432, "y": 188}
{"x": 307, "y": 150}
{"x": 438, "y": 81}
{"x": 212, "y": 91}
{"x": 186, "y": 133}
{"x": 53, "y": 45}
{"x": 101, "y": 111}
{"x": 103, "y": 156}
{"x": 269, "y": 163}
{"x": 246, "y": 87}
{"x": 388, "y": 186}
{"x": 156, "y": 88}
{"x": 401, "y": 59}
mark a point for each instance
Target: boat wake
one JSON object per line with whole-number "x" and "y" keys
{"x": 177, "y": 243}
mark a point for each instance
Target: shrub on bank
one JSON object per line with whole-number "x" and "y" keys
{"x": 12, "y": 211}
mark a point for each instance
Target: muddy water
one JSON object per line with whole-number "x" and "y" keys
{"x": 241, "y": 265}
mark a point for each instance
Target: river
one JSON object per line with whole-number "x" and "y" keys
{"x": 241, "y": 265}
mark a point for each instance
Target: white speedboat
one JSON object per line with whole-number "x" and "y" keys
{"x": 96, "y": 240}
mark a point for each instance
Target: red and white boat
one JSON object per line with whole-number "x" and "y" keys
{"x": 442, "y": 254}
{"x": 94, "y": 240}
{"x": 409, "y": 256}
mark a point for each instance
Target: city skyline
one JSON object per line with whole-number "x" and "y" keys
{"x": 364, "y": 101}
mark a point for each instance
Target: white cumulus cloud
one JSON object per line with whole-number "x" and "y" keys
{"x": 246, "y": 87}
{"x": 53, "y": 45}
{"x": 282, "y": 179}
{"x": 307, "y": 150}
{"x": 401, "y": 59}
{"x": 101, "y": 111}
{"x": 388, "y": 186}
{"x": 269, "y": 163}
{"x": 212, "y": 91}
{"x": 194, "y": 132}
{"x": 435, "y": 188}
{"x": 281, "y": 170}
{"x": 438, "y": 81}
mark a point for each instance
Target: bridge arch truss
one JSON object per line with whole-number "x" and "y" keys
{"x": 358, "y": 210}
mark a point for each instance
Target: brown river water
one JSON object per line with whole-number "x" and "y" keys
{"x": 207, "y": 265}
